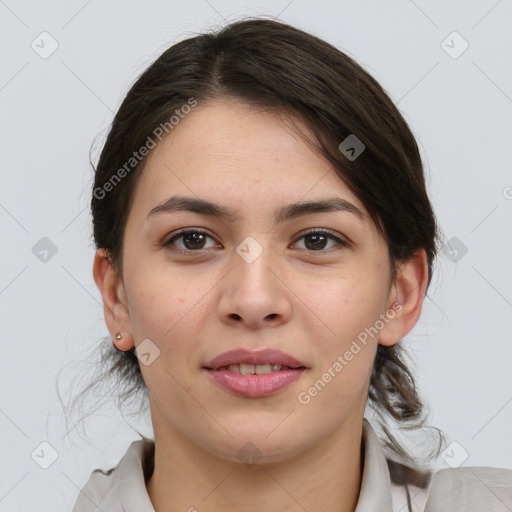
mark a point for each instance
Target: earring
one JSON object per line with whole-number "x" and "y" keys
{"x": 119, "y": 336}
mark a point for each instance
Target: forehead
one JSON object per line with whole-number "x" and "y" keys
{"x": 230, "y": 151}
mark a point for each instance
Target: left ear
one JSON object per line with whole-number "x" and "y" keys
{"x": 405, "y": 298}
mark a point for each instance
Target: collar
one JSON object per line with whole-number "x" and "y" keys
{"x": 375, "y": 493}
{"x": 135, "y": 466}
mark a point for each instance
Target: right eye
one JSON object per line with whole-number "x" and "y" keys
{"x": 192, "y": 240}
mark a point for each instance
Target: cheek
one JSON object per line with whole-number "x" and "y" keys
{"x": 166, "y": 311}
{"x": 168, "y": 306}
{"x": 346, "y": 309}
{"x": 349, "y": 310}
{"x": 162, "y": 300}
{"x": 338, "y": 386}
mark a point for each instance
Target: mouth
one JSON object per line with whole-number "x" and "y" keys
{"x": 257, "y": 369}
{"x": 254, "y": 374}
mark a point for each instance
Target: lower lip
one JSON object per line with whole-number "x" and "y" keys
{"x": 255, "y": 385}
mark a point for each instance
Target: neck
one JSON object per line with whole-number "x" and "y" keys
{"x": 325, "y": 477}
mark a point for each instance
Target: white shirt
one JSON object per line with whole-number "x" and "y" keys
{"x": 464, "y": 489}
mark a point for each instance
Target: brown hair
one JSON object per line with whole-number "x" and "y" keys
{"x": 276, "y": 66}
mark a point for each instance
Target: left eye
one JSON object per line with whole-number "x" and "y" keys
{"x": 193, "y": 240}
{"x": 318, "y": 238}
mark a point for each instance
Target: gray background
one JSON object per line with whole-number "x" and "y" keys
{"x": 459, "y": 106}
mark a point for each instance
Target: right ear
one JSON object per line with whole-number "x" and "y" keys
{"x": 115, "y": 305}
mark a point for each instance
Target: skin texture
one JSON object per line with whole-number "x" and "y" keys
{"x": 309, "y": 302}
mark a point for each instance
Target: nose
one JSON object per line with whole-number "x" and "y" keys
{"x": 255, "y": 292}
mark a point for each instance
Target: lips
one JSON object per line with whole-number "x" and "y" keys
{"x": 247, "y": 357}
{"x": 254, "y": 374}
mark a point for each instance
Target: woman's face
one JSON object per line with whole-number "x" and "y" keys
{"x": 251, "y": 282}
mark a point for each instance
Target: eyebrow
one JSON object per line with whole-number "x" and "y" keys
{"x": 281, "y": 214}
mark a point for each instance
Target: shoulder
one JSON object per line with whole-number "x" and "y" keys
{"x": 471, "y": 489}
{"x": 122, "y": 487}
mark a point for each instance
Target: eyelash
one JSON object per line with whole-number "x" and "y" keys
{"x": 168, "y": 242}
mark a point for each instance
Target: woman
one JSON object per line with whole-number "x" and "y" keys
{"x": 264, "y": 241}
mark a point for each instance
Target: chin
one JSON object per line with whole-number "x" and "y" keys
{"x": 249, "y": 442}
